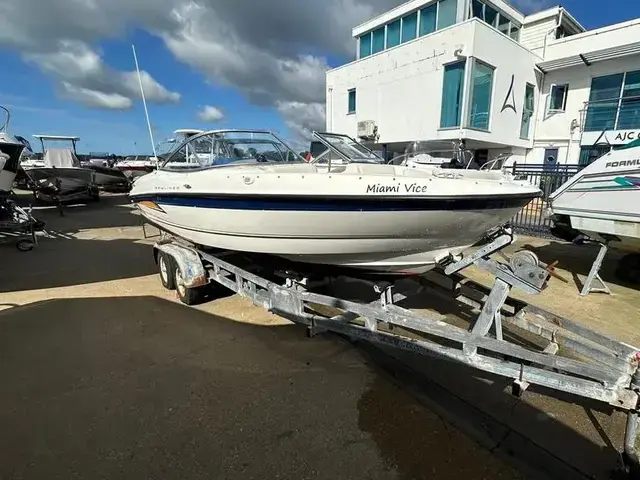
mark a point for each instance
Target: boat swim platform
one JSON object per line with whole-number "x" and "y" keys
{"x": 527, "y": 345}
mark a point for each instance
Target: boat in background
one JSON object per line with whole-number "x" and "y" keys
{"x": 601, "y": 202}
{"x": 62, "y": 172}
{"x": 10, "y": 152}
{"x": 62, "y": 178}
{"x": 246, "y": 190}
{"x": 134, "y": 166}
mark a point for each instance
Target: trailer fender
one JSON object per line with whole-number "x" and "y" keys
{"x": 189, "y": 263}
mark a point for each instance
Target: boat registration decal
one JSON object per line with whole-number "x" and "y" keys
{"x": 408, "y": 188}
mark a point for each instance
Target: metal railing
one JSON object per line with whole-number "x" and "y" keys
{"x": 619, "y": 113}
{"x": 533, "y": 219}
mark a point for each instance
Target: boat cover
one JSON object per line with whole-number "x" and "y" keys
{"x": 61, "y": 158}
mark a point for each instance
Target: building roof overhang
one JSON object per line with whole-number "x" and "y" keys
{"x": 589, "y": 58}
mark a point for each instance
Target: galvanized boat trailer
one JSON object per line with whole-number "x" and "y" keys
{"x": 598, "y": 368}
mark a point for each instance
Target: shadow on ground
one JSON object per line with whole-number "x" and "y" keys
{"x": 112, "y": 210}
{"x": 141, "y": 387}
{"x": 578, "y": 260}
{"x": 64, "y": 262}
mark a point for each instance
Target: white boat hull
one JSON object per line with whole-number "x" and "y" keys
{"x": 387, "y": 241}
{"x": 11, "y": 151}
{"x": 601, "y": 201}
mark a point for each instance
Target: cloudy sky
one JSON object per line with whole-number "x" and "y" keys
{"x": 67, "y": 66}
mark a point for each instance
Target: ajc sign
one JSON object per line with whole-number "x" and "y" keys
{"x": 612, "y": 137}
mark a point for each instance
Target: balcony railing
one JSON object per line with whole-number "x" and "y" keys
{"x": 622, "y": 113}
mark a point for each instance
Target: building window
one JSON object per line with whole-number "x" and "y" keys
{"x": 491, "y": 16}
{"x": 409, "y": 27}
{"x": 393, "y": 34}
{"x": 629, "y": 115}
{"x": 603, "y": 102}
{"x": 527, "y": 111}
{"x": 377, "y": 41}
{"x": 438, "y": 15}
{"x": 447, "y": 13}
{"x": 494, "y": 18}
{"x": 503, "y": 25}
{"x": 588, "y": 155}
{"x": 614, "y": 102}
{"x": 452, "y": 89}
{"x": 481, "y": 90}
{"x": 365, "y": 45}
{"x": 558, "y": 98}
{"x": 428, "y": 17}
{"x": 351, "y": 108}
{"x": 477, "y": 9}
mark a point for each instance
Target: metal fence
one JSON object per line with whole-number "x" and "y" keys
{"x": 533, "y": 219}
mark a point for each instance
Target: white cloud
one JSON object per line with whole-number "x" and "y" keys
{"x": 85, "y": 78}
{"x": 94, "y": 98}
{"x": 303, "y": 118}
{"x": 265, "y": 55}
{"x": 210, "y": 114}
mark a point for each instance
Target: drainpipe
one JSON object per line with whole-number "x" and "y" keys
{"x": 558, "y": 24}
{"x": 566, "y": 157}
{"x": 330, "y": 112}
{"x": 542, "y": 82}
{"x": 537, "y": 110}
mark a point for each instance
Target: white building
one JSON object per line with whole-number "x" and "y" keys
{"x": 539, "y": 86}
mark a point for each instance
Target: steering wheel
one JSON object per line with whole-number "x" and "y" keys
{"x": 260, "y": 157}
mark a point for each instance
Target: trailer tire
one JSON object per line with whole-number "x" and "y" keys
{"x": 25, "y": 245}
{"x": 166, "y": 269}
{"x": 187, "y": 295}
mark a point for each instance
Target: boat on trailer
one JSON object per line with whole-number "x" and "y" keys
{"x": 246, "y": 190}
{"x": 62, "y": 177}
{"x": 15, "y": 221}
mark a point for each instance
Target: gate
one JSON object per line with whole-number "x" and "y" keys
{"x": 533, "y": 219}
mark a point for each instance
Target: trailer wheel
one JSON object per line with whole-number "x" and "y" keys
{"x": 188, "y": 296}
{"x": 25, "y": 245}
{"x": 166, "y": 268}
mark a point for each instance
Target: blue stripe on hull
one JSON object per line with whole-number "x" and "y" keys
{"x": 336, "y": 204}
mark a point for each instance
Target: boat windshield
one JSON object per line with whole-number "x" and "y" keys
{"x": 448, "y": 155}
{"x": 348, "y": 148}
{"x": 217, "y": 148}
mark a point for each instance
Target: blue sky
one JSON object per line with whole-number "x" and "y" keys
{"x": 36, "y": 109}
{"x": 37, "y": 106}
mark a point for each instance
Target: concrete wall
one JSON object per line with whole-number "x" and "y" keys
{"x": 401, "y": 88}
{"x": 514, "y": 63}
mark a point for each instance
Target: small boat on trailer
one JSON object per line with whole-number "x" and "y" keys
{"x": 246, "y": 190}
{"x": 16, "y": 222}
